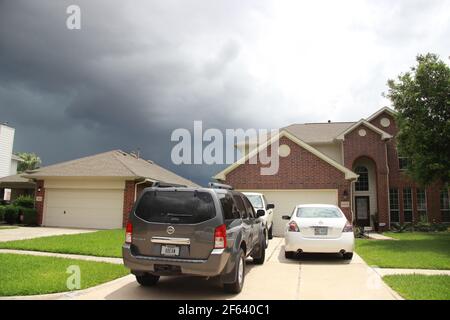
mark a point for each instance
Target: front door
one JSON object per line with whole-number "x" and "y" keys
{"x": 362, "y": 211}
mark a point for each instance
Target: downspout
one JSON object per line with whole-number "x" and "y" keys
{"x": 388, "y": 224}
{"x": 137, "y": 183}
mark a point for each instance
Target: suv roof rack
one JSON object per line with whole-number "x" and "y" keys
{"x": 159, "y": 184}
{"x": 216, "y": 185}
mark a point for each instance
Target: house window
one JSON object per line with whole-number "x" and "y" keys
{"x": 403, "y": 163}
{"x": 394, "y": 205}
{"x": 407, "y": 205}
{"x": 421, "y": 203}
{"x": 362, "y": 184}
{"x": 445, "y": 206}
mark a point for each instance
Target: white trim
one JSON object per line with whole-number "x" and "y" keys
{"x": 349, "y": 175}
{"x": 384, "y": 109}
{"x": 384, "y": 135}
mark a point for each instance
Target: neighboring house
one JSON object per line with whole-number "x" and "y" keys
{"x": 15, "y": 160}
{"x": 96, "y": 191}
{"x": 16, "y": 186}
{"x": 11, "y": 186}
{"x": 8, "y": 161}
{"x": 354, "y": 165}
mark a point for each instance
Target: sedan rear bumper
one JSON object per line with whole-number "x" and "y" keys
{"x": 294, "y": 241}
{"x": 212, "y": 266}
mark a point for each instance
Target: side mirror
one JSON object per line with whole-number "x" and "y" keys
{"x": 286, "y": 217}
{"x": 270, "y": 206}
{"x": 260, "y": 213}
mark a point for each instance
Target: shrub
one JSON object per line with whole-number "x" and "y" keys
{"x": 29, "y": 216}
{"x": 11, "y": 214}
{"x": 24, "y": 202}
{"x": 2, "y": 213}
{"x": 439, "y": 227}
{"x": 397, "y": 227}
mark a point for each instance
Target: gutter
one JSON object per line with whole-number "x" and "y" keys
{"x": 146, "y": 180}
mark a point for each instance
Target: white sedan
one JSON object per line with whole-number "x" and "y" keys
{"x": 318, "y": 228}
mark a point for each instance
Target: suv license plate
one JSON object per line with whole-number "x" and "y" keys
{"x": 320, "y": 231}
{"x": 170, "y": 251}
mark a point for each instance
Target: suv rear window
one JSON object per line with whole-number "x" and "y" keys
{"x": 182, "y": 207}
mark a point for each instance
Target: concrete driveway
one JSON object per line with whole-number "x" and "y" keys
{"x": 311, "y": 277}
{"x": 22, "y": 233}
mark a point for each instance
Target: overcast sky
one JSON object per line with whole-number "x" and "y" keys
{"x": 137, "y": 70}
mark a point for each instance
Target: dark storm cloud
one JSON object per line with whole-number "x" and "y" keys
{"x": 114, "y": 83}
{"x": 137, "y": 70}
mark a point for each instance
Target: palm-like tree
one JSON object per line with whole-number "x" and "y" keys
{"x": 30, "y": 161}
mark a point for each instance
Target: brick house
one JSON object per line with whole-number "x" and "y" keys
{"x": 354, "y": 165}
{"x": 96, "y": 191}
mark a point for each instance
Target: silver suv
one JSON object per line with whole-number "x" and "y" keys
{"x": 176, "y": 230}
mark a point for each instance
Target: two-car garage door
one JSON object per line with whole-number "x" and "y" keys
{"x": 286, "y": 200}
{"x": 84, "y": 208}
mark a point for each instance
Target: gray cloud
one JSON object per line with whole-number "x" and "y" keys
{"x": 136, "y": 71}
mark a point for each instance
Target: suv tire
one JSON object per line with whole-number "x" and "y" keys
{"x": 289, "y": 254}
{"x": 238, "y": 284}
{"x": 147, "y": 280}
{"x": 271, "y": 232}
{"x": 348, "y": 256}
{"x": 261, "y": 257}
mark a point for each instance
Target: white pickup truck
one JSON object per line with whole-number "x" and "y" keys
{"x": 259, "y": 202}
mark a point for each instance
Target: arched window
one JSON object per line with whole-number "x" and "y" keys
{"x": 362, "y": 184}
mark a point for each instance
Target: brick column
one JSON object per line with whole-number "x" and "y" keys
{"x": 383, "y": 200}
{"x": 128, "y": 201}
{"x": 40, "y": 195}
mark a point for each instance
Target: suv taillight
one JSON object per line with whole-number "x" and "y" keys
{"x": 293, "y": 227}
{"x": 220, "y": 237}
{"x": 348, "y": 227}
{"x": 128, "y": 232}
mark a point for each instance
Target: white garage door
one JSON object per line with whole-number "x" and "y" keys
{"x": 83, "y": 208}
{"x": 286, "y": 200}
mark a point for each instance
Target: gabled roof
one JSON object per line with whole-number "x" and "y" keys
{"x": 384, "y": 109}
{"x": 384, "y": 135}
{"x": 16, "y": 158}
{"x": 316, "y": 133}
{"x": 16, "y": 181}
{"x": 114, "y": 163}
{"x": 349, "y": 175}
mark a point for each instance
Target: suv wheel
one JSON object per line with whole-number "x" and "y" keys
{"x": 238, "y": 284}
{"x": 261, "y": 257}
{"x": 147, "y": 280}
{"x": 348, "y": 256}
{"x": 270, "y": 232}
{"x": 289, "y": 254}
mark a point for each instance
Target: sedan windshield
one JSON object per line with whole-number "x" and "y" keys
{"x": 318, "y": 212}
{"x": 256, "y": 201}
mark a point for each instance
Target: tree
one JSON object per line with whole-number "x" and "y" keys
{"x": 422, "y": 100}
{"x": 30, "y": 161}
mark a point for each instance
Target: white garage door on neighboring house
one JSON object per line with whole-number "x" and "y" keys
{"x": 286, "y": 200}
{"x": 84, "y": 208}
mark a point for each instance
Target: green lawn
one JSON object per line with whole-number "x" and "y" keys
{"x": 7, "y": 227}
{"x": 420, "y": 287}
{"x": 105, "y": 243}
{"x": 29, "y": 275}
{"x": 412, "y": 250}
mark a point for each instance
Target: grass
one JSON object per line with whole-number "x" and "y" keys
{"x": 7, "y": 227}
{"x": 420, "y": 287}
{"x": 105, "y": 243}
{"x": 415, "y": 250}
{"x": 30, "y": 275}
